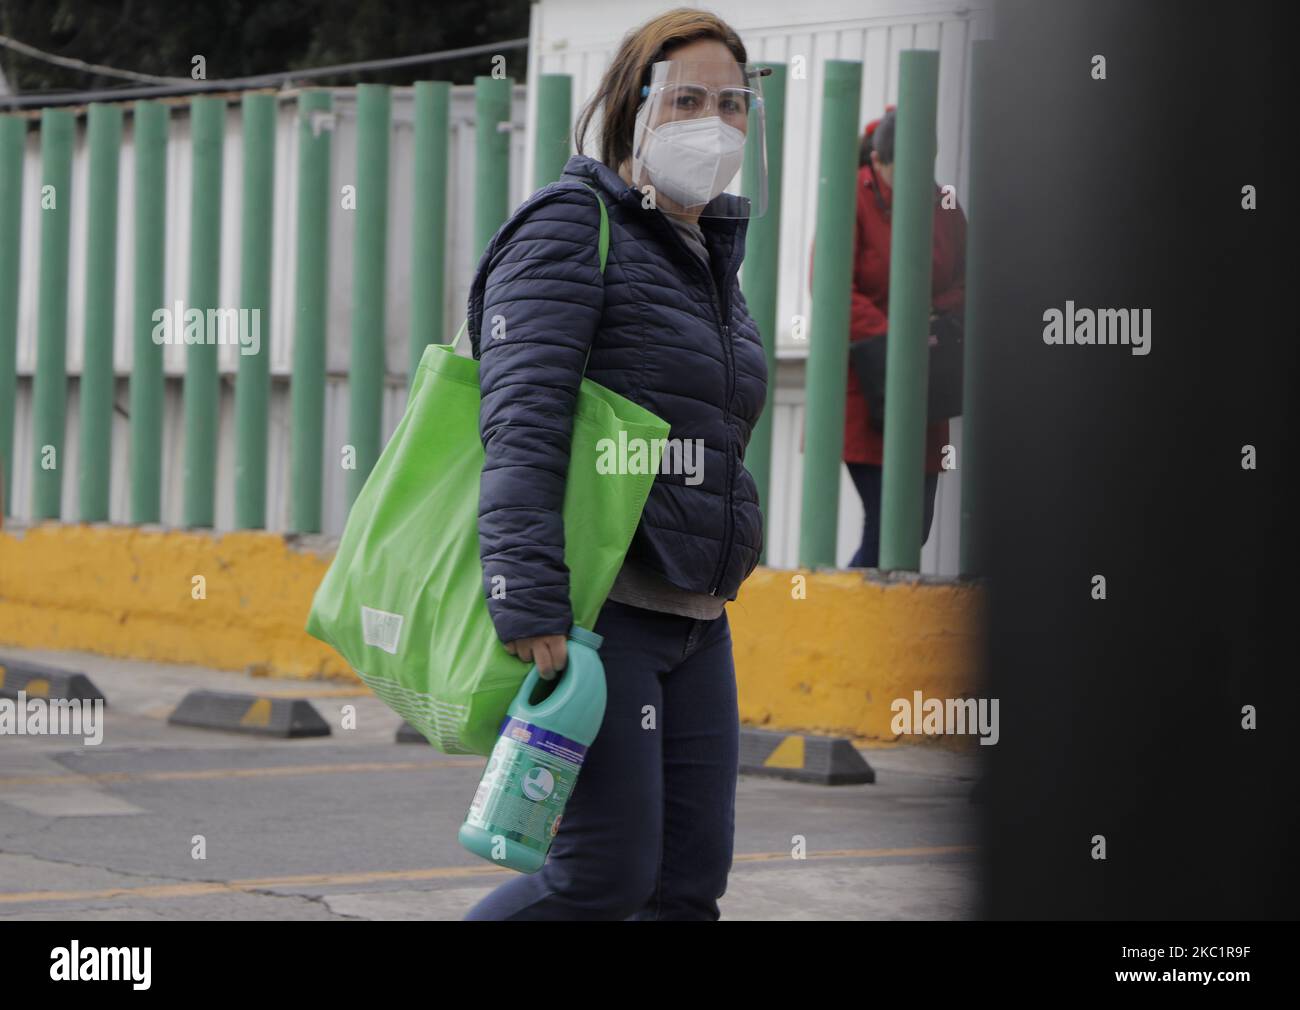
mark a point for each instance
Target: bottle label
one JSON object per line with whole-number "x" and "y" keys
{"x": 529, "y": 776}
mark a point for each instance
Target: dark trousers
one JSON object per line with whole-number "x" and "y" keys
{"x": 647, "y": 833}
{"x": 866, "y": 478}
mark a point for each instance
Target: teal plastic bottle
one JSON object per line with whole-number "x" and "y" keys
{"x": 532, "y": 769}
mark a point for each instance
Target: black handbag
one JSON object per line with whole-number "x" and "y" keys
{"x": 946, "y": 346}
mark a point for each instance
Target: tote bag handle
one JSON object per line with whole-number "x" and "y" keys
{"x": 603, "y": 249}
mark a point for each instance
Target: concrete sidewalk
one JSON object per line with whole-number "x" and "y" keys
{"x": 358, "y": 826}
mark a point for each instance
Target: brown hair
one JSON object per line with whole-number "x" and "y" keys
{"x": 619, "y": 94}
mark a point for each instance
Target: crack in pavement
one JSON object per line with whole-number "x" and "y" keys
{"x": 323, "y": 900}
{"x": 134, "y": 874}
{"x": 226, "y": 885}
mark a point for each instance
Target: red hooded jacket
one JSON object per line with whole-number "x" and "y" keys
{"x": 870, "y": 307}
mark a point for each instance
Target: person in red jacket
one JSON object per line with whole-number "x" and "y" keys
{"x": 863, "y": 444}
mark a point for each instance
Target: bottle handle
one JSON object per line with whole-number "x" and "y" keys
{"x": 577, "y": 634}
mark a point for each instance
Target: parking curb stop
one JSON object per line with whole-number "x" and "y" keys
{"x": 38, "y": 680}
{"x": 803, "y": 757}
{"x": 249, "y": 713}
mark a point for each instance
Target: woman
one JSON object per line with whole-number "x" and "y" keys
{"x": 648, "y": 830}
{"x": 863, "y": 442}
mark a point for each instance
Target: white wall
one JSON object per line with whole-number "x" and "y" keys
{"x": 576, "y": 37}
{"x": 277, "y": 331}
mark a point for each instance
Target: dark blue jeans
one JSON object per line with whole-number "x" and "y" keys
{"x": 648, "y": 831}
{"x": 866, "y": 478}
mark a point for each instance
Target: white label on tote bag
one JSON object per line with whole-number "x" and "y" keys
{"x": 381, "y": 629}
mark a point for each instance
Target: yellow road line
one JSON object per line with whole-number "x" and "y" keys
{"x": 239, "y": 773}
{"x": 203, "y": 888}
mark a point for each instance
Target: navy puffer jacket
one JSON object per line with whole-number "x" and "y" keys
{"x": 659, "y": 334}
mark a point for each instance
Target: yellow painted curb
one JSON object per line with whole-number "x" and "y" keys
{"x": 829, "y": 652}
{"x": 818, "y": 652}
{"x": 123, "y": 591}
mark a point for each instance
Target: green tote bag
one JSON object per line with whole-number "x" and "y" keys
{"x": 403, "y": 600}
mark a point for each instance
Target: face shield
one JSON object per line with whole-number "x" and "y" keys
{"x": 699, "y": 139}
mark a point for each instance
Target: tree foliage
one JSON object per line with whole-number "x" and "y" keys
{"x": 242, "y": 37}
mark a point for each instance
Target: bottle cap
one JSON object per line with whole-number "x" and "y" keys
{"x": 589, "y": 638}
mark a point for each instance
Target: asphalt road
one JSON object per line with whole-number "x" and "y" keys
{"x": 356, "y": 826}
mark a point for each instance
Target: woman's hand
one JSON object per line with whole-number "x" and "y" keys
{"x": 549, "y": 652}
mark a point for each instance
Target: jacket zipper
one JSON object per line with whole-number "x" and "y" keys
{"x": 730, "y": 526}
{"x": 729, "y": 366}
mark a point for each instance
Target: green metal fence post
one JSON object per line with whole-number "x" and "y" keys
{"x": 13, "y": 142}
{"x": 759, "y": 275}
{"x": 972, "y": 552}
{"x": 828, "y": 352}
{"x": 491, "y": 158}
{"x": 253, "y": 385}
{"x": 429, "y": 217}
{"x": 906, "y": 357}
{"x": 366, "y": 377}
{"x": 149, "y": 147}
{"x": 202, "y": 382}
{"x": 307, "y": 390}
{"x": 50, "y": 389}
{"x": 104, "y": 130}
{"x": 551, "y": 140}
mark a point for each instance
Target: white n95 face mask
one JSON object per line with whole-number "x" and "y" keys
{"x": 691, "y": 161}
